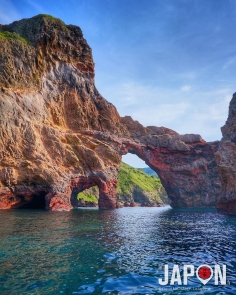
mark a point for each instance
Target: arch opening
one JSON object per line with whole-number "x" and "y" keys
{"x": 138, "y": 184}
{"x": 86, "y": 197}
{"x": 84, "y": 192}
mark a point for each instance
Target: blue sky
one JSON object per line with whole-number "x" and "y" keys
{"x": 167, "y": 63}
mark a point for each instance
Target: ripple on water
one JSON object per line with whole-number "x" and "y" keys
{"x": 111, "y": 252}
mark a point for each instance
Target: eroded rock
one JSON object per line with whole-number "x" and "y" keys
{"x": 59, "y": 136}
{"x": 226, "y": 159}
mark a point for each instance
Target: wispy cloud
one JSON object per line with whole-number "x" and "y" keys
{"x": 8, "y": 12}
{"x": 36, "y": 6}
{"x": 202, "y": 112}
{"x": 161, "y": 114}
{"x": 229, "y": 63}
{"x": 185, "y": 88}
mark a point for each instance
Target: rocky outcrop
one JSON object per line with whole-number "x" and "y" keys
{"x": 59, "y": 136}
{"x": 226, "y": 159}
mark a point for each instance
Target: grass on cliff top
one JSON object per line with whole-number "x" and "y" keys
{"x": 50, "y": 17}
{"x": 87, "y": 198}
{"x": 53, "y": 19}
{"x": 12, "y": 36}
{"x": 129, "y": 177}
{"x": 47, "y": 16}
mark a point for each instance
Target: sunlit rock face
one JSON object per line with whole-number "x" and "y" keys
{"x": 185, "y": 164}
{"x": 59, "y": 136}
{"x": 226, "y": 159}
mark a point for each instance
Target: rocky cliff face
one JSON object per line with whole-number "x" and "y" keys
{"x": 59, "y": 136}
{"x": 226, "y": 159}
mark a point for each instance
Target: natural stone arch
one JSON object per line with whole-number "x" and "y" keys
{"x": 64, "y": 129}
{"x": 185, "y": 164}
{"x": 107, "y": 190}
{"x": 190, "y": 177}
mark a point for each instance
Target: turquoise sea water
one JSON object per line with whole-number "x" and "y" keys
{"x": 112, "y": 252}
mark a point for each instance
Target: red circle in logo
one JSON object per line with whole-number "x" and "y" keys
{"x": 204, "y": 272}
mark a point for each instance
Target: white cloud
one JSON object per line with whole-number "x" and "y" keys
{"x": 185, "y": 88}
{"x": 161, "y": 114}
{"x": 202, "y": 112}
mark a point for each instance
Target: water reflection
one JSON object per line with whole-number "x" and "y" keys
{"x": 119, "y": 251}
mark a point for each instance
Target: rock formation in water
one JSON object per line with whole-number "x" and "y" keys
{"x": 226, "y": 159}
{"x": 59, "y": 136}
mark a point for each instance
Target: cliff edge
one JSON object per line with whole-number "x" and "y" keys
{"x": 226, "y": 159}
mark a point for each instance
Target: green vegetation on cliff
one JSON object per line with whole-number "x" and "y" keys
{"x": 88, "y": 198}
{"x": 134, "y": 185}
{"x": 48, "y": 16}
{"x": 129, "y": 176}
{"x": 54, "y": 20}
{"x": 12, "y": 36}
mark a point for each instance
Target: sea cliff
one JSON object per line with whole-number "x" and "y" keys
{"x": 59, "y": 136}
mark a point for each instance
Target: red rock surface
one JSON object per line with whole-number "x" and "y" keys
{"x": 59, "y": 136}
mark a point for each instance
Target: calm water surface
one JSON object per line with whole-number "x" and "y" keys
{"x": 112, "y": 252}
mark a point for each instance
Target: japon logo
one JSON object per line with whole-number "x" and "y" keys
{"x": 204, "y": 273}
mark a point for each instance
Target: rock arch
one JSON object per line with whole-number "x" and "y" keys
{"x": 188, "y": 171}
{"x": 185, "y": 164}
{"x": 58, "y": 133}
